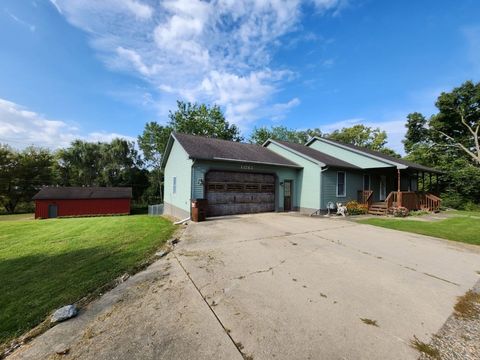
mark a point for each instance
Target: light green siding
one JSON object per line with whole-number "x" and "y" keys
{"x": 308, "y": 184}
{"x": 180, "y": 167}
{"x": 353, "y": 183}
{"x": 349, "y": 156}
{"x": 201, "y": 167}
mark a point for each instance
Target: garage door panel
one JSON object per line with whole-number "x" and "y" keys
{"x": 239, "y": 193}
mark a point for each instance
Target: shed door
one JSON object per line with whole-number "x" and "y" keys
{"x": 52, "y": 211}
{"x": 231, "y": 193}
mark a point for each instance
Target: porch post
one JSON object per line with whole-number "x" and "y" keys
{"x": 423, "y": 181}
{"x": 399, "y": 192}
{"x": 430, "y": 185}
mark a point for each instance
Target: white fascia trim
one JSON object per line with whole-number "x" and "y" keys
{"x": 319, "y": 163}
{"x": 389, "y": 162}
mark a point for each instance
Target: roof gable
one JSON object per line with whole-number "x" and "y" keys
{"x": 370, "y": 155}
{"x": 312, "y": 154}
{"x": 204, "y": 148}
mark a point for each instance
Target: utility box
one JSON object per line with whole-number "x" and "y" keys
{"x": 199, "y": 209}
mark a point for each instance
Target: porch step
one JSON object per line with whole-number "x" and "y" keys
{"x": 378, "y": 208}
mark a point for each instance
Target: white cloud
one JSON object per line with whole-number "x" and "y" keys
{"x": 31, "y": 27}
{"x": 20, "y": 127}
{"x": 213, "y": 51}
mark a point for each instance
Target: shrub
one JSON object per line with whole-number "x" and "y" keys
{"x": 354, "y": 208}
{"x": 398, "y": 211}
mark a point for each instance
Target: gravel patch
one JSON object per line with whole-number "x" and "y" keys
{"x": 459, "y": 338}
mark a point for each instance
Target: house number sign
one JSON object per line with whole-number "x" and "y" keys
{"x": 246, "y": 167}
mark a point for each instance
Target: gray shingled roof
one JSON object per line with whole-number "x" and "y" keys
{"x": 204, "y": 148}
{"x": 63, "y": 193}
{"x": 381, "y": 155}
{"x": 317, "y": 155}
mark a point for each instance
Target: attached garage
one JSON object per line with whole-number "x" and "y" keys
{"x": 233, "y": 178}
{"x": 231, "y": 193}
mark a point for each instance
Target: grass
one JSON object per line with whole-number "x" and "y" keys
{"x": 464, "y": 228}
{"x": 468, "y": 305}
{"x": 46, "y": 264}
{"x": 17, "y": 217}
{"x": 425, "y": 348}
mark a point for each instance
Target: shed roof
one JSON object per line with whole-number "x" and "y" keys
{"x": 205, "y": 148}
{"x": 316, "y": 155}
{"x": 64, "y": 193}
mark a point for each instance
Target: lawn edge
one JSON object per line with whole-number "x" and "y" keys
{"x": 8, "y": 347}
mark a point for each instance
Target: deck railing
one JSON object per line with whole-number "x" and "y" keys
{"x": 413, "y": 200}
{"x": 365, "y": 197}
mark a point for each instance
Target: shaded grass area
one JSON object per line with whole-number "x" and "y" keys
{"x": 465, "y": 228}
{"x": 50, "y": 263}
{"x": 28, "y": 216}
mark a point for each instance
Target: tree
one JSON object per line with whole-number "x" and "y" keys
{"x": 203, "y": 120}
{"x": 188, "y": 118}
{"x": 363, "y": 136}
{"x": 458, "y": 120}
{"x": 448, "y": 140}
{"x": 22, "y": 174}
{"x": 102, "y": 164}
{"x": 262, "y": 134}
{"x": 417, "y": 132}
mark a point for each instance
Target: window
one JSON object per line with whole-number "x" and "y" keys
{"x": 366, "y": 182}
{"x": 174, "y": 187}
{"x": 341, "y": 183}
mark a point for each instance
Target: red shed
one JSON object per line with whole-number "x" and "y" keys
{"x": 52, "y": 202}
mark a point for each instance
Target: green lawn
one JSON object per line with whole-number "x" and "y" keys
{"x": 17, "y": 217}
{"x": 463, "y": 227}
{"x": 46, "y": 264}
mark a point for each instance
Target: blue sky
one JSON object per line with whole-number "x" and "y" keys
{"x": 98, "y": 69}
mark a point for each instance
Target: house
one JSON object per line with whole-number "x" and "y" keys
{"x": 52, "y": 202}
{"x": 238, "y": 178}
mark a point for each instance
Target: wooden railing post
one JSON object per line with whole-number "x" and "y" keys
{"x": 399, "y": 195}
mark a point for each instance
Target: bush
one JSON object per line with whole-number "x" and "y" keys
{"x": 354, "y": 208}
{"x": 398, "y": 211}
{"x": 456, "y": 201}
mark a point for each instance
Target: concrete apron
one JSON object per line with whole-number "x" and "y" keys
{"x": 290, "y": 287}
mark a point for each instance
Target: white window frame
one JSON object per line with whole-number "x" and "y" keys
{"x": 369, "y": 182}
{"x": 344, "y": 184}
{"x": 174, "y": 185}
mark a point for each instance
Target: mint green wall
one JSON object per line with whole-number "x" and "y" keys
{"x": 179, "y": 165}
{"x": 201, "y": 167}
{"x": 346, "y": 155}
{"x": 353, "y": 183}
{"x": 308, "y": 184}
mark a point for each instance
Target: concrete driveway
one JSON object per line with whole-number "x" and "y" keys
{"x": 276, "y": 286}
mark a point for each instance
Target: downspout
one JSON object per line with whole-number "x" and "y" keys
{"x": 321, "y": 186}
{"x": 192, "y": 185}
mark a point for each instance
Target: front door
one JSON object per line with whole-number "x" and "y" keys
{"x": 383, "y": 188}
{"x": 52, "y": 211}
{"x": 287, "y": 195}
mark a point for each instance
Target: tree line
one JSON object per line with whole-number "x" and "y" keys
{"x": 448, "y": 140}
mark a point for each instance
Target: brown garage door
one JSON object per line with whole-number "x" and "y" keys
{"x": 239, "y": 193}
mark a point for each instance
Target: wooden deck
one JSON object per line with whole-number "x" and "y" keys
{"x": 412, "y": 200}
